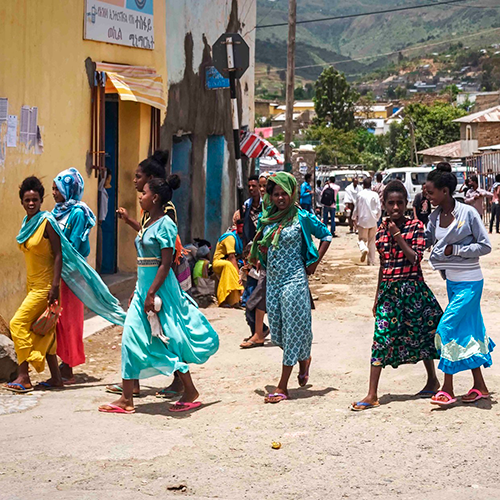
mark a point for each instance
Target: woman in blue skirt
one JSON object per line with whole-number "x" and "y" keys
{"x": 184, "y": 335}
{"x": 459, "y": 238}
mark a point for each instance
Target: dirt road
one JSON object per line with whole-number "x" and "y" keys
{"x": 62, "y": 448}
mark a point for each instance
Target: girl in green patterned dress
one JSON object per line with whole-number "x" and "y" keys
{"x": 406, "y": 312}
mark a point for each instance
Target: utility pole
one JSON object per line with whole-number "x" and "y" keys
{"x": 412, "y": 142}
{"x": 290, "y": 82}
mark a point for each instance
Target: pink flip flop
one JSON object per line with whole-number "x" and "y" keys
{"x": 281, "y": 397}
{"x": 115, "y": 409}
{"x": 179, "y": 406}
{"x": 436, "y": 401}
{"x": 479, "y": 395}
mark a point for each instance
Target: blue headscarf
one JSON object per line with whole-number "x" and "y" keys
{"x": 70, "y": 184}
{"x": 82, "y": 280}
{"x": 238, "y": 242}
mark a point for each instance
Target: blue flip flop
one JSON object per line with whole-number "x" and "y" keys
{"x": 425, "y": 394}
{"x": 166, "y": 394}
{"x": 47, "y": 386}
{"x": 364, "y": 406}
{"x": 21, "y": 389}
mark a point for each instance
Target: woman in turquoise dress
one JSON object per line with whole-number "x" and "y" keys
{"x": 186, "y": 336}
{"x": 284, "y": 246}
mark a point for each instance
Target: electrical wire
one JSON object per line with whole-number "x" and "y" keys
{"x": 416, "y": 47}
{"x": 361, "y": 14}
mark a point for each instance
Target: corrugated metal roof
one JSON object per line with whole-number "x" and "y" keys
{"x": 488, "y": 115}
{"x": 450, "y": 150}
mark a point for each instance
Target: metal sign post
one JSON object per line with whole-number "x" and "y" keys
{"x": 234, "y": 113}
{"x": 231, "y": 56}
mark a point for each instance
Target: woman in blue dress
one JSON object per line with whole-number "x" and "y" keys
{"x": 76, "y": 220}
{"x": 284, "y": 246}
{"x": 186, "y": 336}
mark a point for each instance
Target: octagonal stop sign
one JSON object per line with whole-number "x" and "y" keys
{"x": 241, "y": 53}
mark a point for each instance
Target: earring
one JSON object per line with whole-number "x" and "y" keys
{"x": 154, "y": 201}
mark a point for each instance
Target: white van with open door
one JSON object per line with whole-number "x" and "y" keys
{"x": 414, "y": 177}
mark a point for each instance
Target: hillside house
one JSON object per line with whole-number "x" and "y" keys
{"x": 477, "y": 131}
{"x": 266, "y": 109}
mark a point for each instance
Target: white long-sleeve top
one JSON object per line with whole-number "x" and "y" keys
{"x": 367, "y": 211}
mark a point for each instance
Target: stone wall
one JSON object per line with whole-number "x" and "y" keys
{"x": 489, "y": 134}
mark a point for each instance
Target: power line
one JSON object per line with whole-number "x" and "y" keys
{"x": 275, "y": 4}
{"x": 350, "y": 16}
{"x": 416, "y": 47}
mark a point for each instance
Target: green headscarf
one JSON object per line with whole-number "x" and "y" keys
{"x": 271, "y": 215}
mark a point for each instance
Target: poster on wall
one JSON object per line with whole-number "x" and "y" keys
{"x": 124, "y": 22}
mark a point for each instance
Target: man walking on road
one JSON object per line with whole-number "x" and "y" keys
{"x": 475, "y": 195}
{"x": 495, "y": 204}
{"x": 378, "y": 187}
{"x": 329, "y": 202}
{"x": 306, "y": 192}
{"x": 351, "y": 195}
{"x": 367, "y": 213}
{"x": 251, "y": 209}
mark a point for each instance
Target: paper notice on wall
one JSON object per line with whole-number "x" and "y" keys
{"x": 33, "y": 128}
{"x": 4, "y": 109}
{"x": 25, "y": 121}
{"x": 12, "y": 131}
{"x": 29, "y": 126}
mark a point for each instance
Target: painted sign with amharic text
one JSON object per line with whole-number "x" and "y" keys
{"x": 124, "y": 22}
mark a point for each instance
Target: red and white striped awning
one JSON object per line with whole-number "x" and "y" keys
{"x": 253, "y": 146}
{"x": 134, "y": 83}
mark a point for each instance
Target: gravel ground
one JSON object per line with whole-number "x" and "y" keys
{"x": 58, "y": 446}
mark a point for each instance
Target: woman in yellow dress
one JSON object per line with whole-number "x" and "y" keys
{"x": 42, "y": 252}
{"x": 225, "y": 266}
{"x": 49, "y": 257}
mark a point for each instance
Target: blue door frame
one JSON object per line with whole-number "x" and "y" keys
{"x": 109, "y": 229}
{"x": 216, "y": 147}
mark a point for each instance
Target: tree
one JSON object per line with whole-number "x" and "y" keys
{"x": 334, "y": 100}
{"x": 299, "y": 93}
{"x": 434, "y": 124}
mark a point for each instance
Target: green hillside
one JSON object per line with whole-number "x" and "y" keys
{"x": 369, "y": 40}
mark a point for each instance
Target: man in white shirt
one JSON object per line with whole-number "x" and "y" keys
{"x": 351, "y": 195}
{"x": 329, "y": 201}
{"x": 367, "y": 213}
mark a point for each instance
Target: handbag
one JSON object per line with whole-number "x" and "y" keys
{"x": 48, "y": 320}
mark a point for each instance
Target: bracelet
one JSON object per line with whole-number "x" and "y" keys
{"x": 397, "y": 234}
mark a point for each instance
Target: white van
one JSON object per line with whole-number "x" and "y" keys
{"x": 343, "y": 178}
{"x": 414, "y": 177}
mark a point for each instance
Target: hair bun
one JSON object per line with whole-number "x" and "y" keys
{"x": 443, "y": 166}
{"x": 161, "y": 156}
{"x": 174, "y": 181}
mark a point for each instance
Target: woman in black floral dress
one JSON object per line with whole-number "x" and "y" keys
{"x": 406, "y": 312}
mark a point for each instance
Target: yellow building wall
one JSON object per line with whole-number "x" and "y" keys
{"x": 43, "y": 64}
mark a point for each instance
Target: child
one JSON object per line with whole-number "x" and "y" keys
{"x": 406, "y": 311}
{"x": 459, "y": 238}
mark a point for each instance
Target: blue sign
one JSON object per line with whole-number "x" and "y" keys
{"x": 214, "y": 80}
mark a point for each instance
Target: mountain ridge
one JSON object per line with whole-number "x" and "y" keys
{"x": 366, "y": 38}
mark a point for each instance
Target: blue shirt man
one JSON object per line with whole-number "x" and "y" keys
{"x": 306, "y": 192}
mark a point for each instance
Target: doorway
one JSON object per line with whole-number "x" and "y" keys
{"x": 109, "y": 224}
